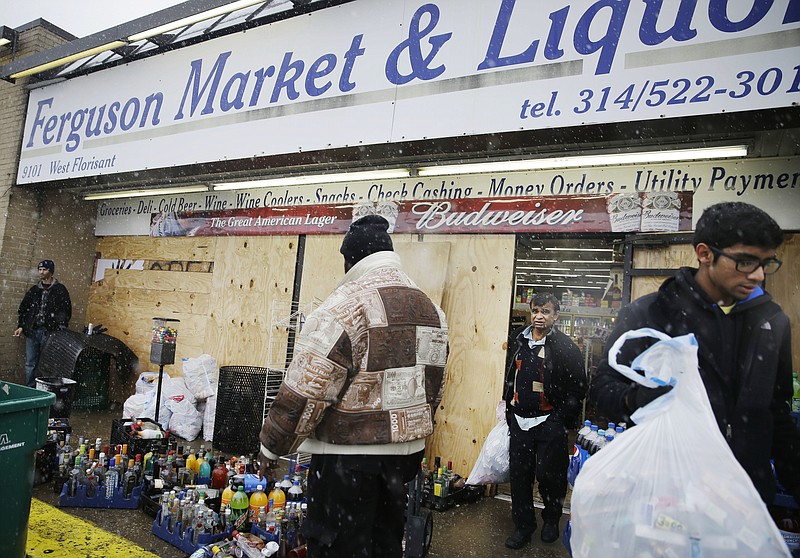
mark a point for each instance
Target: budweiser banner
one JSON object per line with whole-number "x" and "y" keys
{"x": 551, "y": 214}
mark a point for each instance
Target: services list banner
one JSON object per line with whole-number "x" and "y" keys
{"x": 372, "y": 72}
{"x": 619, "y": 213}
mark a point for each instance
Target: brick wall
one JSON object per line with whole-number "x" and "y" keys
{"x": 35, "y": 223}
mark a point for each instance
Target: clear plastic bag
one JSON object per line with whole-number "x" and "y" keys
{"x": 492, "y": 464}
{"x": 670, "y": 486}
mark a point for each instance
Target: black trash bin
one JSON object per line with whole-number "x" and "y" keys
{"x": 64, "y": 388}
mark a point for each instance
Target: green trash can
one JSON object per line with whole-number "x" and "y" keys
{"x": 23, "y": 430}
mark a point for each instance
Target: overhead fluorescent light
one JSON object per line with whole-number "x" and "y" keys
{"x": 315, "y": 179}
{"x": 147, "y": 192}
{"x": 598, "y": 276}
{"x": 190, "y": 20}
{"x": 580, "y": 287}
{"x": 665, "y": 156}
{"x": 535, "y": 285}
{"x": 589, "y": 262}
{"x": 561, "y": 249}
{"x": 68, "y": 59}
{"x": 538, "y": 261}
{"x": 546, "y": 268}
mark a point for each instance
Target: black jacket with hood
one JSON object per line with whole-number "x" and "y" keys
{"x": 57, "y": 311}
{"x": 745, "y": 362}
{"x": 564, "y": 375}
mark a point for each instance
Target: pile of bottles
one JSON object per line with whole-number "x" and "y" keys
{"x": 592, "y": 438}
{"x": 100, "y": 469}
{"x": 440, "y": 483}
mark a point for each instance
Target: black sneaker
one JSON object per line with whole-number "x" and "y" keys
{"x": 550, "y": 532}
{"x": 518, "y": 539}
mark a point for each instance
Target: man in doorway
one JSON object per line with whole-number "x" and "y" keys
{"x": 744, "y": 343}
{"x": 545, "y": 385}
{"x": 360, "y": 393}
{"x": 45, "y": 308}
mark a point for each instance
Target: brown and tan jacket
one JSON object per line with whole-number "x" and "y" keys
{"x": 368, "y": 370}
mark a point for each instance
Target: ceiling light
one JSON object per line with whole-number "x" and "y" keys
{"x": 68, "y": 59}
{"x": 555, "y": 274}
{"x": 580, "y": 287}
{"x": 148, "y": 192}
{"x": 191, "y": 20}
{"x": 598, "y": 276}
{"x": 546, "y": 268}
{"x": 538, "y": 261}
{"x": 315, "y": 179}
{"x": 589, "y": 262}
{"x": 581, "y": 249}
{"x": 534, "y": 285}
{"x": 589, "y": 160}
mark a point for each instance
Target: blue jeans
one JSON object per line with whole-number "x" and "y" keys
{"x": 33, "y": 348}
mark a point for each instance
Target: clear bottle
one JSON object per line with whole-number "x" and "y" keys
{"x": 587, "y": 440}
{"x": 587, "y": 427}
{"x": 112, "y": 479}
{"x": 129, "y": 480}
{"x": 598, "y": 442}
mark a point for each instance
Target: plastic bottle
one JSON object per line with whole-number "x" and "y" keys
{"x": 587, "y": 427}
{"x": 239, "y": 507}
{"x": 796, "y": 394}
{"x": 258, "y": 499}
{"x": 587, "y": 440}
{"x": 286, "y": 484}
{"x": 277, "y": 498}
{"x": 296, "y": 492}
{"x": 598, "y": 442}
{"x": 191, "y": 461}
{"x": 227, "y": 494}
{"x": 219, "y": 476}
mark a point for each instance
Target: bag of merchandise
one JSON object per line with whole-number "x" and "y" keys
{"x": 201, "y": 375}
{"x": 670, "y": 486}
{"x": 185, "y": 421}
{"x": 492, "y": 465}
{"x": 209, "y": 414}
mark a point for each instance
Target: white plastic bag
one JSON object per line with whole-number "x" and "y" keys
{"x": 670, "y": 486}
{"x": 148, "y": 381}
{"x": 139, "y": 405}
{"x": 209, "y": 413}
{"x": 201, "y": 375}
{"x": 185, "y": 421}
{"x": 492, "y": 465}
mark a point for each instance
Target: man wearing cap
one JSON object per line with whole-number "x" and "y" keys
{"x": 45, "y": 308}
{"x": 359, "y": 395}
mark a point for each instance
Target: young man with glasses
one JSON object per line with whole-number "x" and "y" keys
{"x": 744, "y": 343}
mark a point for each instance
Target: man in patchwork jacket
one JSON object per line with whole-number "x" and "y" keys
{"x": 360, "y": 395}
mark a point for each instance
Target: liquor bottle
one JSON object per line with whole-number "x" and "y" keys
{"x": 204, "y": 472}
{"x": 129, "y": 480}
{"x": 112, "y": 479}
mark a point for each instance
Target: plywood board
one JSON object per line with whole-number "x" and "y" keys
{"x": 672, "y": 256}
{"x": 178, "y": 281}
{"x": 251, "y": 274}
{"x": 477, "y": 298}
{"x": 189, "y": 248}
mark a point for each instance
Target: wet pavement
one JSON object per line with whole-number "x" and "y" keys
{"x": 471, "y": 530}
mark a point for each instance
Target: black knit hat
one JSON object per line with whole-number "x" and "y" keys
{"x": 366, "y": 236}
{"x": 47, "y": 264}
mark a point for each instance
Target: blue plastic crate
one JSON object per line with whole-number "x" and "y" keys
{"x": 81, "y": 500}
{"x": 185, "y": 540}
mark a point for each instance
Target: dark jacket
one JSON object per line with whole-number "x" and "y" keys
{"x": 745, "y": 361}
{"x": 58, "y": 308}
{"x": 564, "y": 375}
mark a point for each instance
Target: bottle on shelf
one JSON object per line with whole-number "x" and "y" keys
{"x": 295, "y": 492}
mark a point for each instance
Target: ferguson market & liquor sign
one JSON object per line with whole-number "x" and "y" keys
{"x": 372, "y": 72}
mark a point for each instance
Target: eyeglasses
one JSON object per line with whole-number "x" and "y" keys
{"x": 749, "y": 265}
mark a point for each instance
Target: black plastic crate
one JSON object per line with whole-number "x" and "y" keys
{"x": 242, "y": 399}
{"x": 121, "y": 434}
